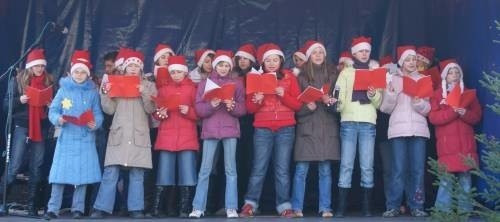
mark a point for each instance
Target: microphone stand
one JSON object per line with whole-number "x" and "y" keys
{"x": 8, "y": 134}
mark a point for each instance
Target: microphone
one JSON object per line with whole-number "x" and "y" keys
{"x": 59, "y": 28}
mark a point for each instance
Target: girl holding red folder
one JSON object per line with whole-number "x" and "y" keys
{"x": 129, "y": 144}
{"x": 75, "y": 158}
{"x": 317, "y": 138}
{"x": 408, "y": 133}
{"x": 31, "y": 124}
{"x": 219, "y": 124}
{"x": 274, "y": 132}
{"x": 454, "y": 133}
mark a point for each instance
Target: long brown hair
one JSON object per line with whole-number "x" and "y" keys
{"x": 24, "y": 78}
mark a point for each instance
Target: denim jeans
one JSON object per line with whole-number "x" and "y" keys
{"x": 267, "y": 144}
{"x": 408, "y": 167}
{"x": 443, "y": 198}
{"x": 363, "y": 135}
{"x": 106, "y": 197}
{"x": 20, "y": 144}
{"x": 186, "y": 168}
{"x": 56, "y": 196}
{"x": 209, "y": 148}
{"x": 325, "y": 186}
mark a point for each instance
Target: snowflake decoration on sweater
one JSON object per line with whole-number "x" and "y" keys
{"x": 66, "y": 103}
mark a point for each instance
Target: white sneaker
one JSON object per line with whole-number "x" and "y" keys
{"x": 196, "y": 214}
{"x": 231, "y": 213}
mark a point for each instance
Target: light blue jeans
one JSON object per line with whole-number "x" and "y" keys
{"x": 443, "y": 198}
{"x": 186, "y": 168}
{"x": 56, "y": 196}
{"x": 209, "y": 148}
{"x": 325, "y": 186}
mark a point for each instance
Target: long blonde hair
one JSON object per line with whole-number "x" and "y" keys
{"x": 24, "y": 78}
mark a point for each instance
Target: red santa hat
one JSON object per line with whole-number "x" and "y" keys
{"x": 120, "y": 58}
{"x": 35, "y": 57}
{"x": 201, "y": 54}
{"x": 223, "y": 56}
{"x": 346, "y": 57}
{"x": 177, "y": 63}
{"x": 310, "y": 45}
{"x": 133, "y": 57}
{"x": 162, "y": 49}
{"x": 385, "y": 60}
{"x": 361, "y": 43}
{"x": 405, "y": 51}
{"x": 247, "y": 51}
{"x": 265, "y": 50}
{"x": 445, "y": 66}
{"x": 425, "y": 54}
{"x": 81, "y": 60}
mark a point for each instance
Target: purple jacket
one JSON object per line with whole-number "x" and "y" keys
{"x": 218, "y": 123}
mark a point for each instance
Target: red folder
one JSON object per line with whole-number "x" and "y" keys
{"x": 124, "y": 86}
{"x": 365, "y": 78}
{"x": 435, "y": 75}
{"x": 310, "y": 94}
{"x": 225, "y": 92}
{"x": 39, "y": 97}
{"x": 82, "y": 120}
{"x": 460, "y": 100}
{"x": 265, "y": 83}
{"x": 171, "y": 102}
{"x": 421, "y": 88}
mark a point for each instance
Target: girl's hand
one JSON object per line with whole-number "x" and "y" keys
{"x": 326, "y": 99}
{"x": 215, "y": 102}
{"x": 91, "y": 124}
{"x": 61, "y": 121}
{"x": 312, "y": 106}
{"x": 230, "y": 104}
{"x": 106, "y": 87}
{"x": 184, "y": 109}
{"x": 460, "y": 111}
{"x": 258, "y": 97}
{"x": 24, "y": 99}
{"x": 162, "y": 113}
{"x": 443, "y": 102}
{"x": 371, "y": 91}
{"x": 280, "y": 91}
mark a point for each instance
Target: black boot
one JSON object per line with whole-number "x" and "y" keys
{"x": 187, "y": 193}
{"x": 4, "y": 210}
{"x": 157, "y": 202}
{"x": 171, "y": 201}
{"x": 32, "y": 194}
{"x": 367, "y": 202}
{"x": 343, "y": 192}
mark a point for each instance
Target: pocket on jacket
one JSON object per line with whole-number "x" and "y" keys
{"x": 141, "y": 138}
{"x": 115, "y": 136}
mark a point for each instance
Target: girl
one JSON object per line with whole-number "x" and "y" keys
{"x": 75, "y": 159}
{"x": 244, "y": 60}
{"x": 129, "y": 144}
{"x": 317, "y": 136}
{"x": 455, "y": 134}
{"x": 299, "y": 59}
{"x": 408, "y": 133}
{"x": 31, "y": 125}
{"x": 203, "y": 69}
{"x": 220, "y": 123}
{"x": 161, "y": 57}
{"x": 177, "y": 140}
{"x": 274, "y": 132}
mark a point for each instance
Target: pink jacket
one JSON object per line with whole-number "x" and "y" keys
{"x": 407, "y": 118}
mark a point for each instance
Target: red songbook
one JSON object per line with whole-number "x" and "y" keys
{"x": 421, "y": 88}
{"x": 171, "y": 102}
{"x": 311, "y": 94}
{"x": 124, "y": 86}
{"x": 326, "y": 88}
{"x": 460, "y": 100}
{"x": 265, "y": 83}
{"x": 82, "y": 120}
{"x": 435, "y": 75}
{"x": 370, "y": 78}
{"x": 39, "y": 97}
{"x": 212, "y": 91}
{"x": 162, "y": 77}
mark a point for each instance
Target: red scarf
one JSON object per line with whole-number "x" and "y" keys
{"x": 36, "y": 114}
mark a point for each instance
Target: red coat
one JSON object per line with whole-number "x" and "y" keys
{"x": 454, "y": 133}
{"x": 276, "y": 112}
{"x": 178, "y": 131}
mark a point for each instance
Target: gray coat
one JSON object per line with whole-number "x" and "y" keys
{"x": 129, "y": 143}
{"x": 317, "y": 135}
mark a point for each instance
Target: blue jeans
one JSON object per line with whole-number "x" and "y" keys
{"x": 209, "y": 148}
{"x": 443, "y": 198}
{"x": 20, "y": 144}
{"x": 279, "y": 145}
{"x": 325, "y": 186}
{"x": 106, "y": 197}
{"x": 56, "y": 196}
{"x": 363, "y": 135}
{"x": 186, "y": 166}
{"x": 408, "y": 167}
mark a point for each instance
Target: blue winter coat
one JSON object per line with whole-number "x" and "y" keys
{"x": 75, "y": 158}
